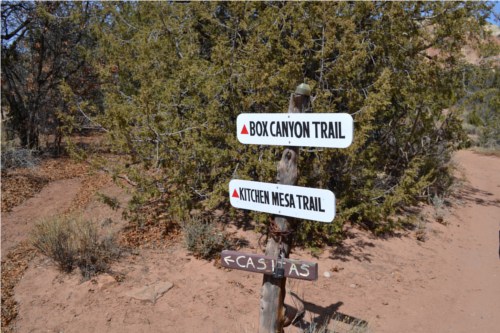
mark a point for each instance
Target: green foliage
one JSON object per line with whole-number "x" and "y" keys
{"x": 204, "y": 239}
{"x": 112, "y": 202}
{"x": 176, "y": 75}
{"x": 74, "y": 242}
{"x": 481, "y": 105}
{"x": 315, "y": 251}
{"x": 316, "y": 234}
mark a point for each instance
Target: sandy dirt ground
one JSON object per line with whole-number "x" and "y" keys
{"x": 449, "y": 283}
{"x": 16, "y": 225}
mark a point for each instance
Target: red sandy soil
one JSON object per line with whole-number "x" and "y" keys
{"x": 449, "y": 283}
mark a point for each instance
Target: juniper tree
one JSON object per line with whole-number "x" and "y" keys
{"x": 176, "y": 76}
{"x": 43, "y": 48}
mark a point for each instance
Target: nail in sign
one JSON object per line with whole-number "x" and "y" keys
{"x": 256, "y": 263}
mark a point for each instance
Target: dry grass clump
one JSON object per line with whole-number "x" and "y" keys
{"x": 204, "y": 238}
{"x": 74, "y": 242}
{"x": 18, "y": 158}
{"x": 439, "y": 209}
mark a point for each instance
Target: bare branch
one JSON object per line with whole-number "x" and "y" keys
{"x": 121, "y": 176}
{"x": 19, "y": 28}
{"x": 90, "y": 119}
{"x": 186, "y": 129}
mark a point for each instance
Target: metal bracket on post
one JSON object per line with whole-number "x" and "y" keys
{"x": 279, "y": 270}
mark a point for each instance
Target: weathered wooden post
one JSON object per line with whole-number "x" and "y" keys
{"x": 273, "y": 290}
{"x": 284, "y": 200}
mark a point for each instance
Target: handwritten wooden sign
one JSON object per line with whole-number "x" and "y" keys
{"x": 294, "y": 269}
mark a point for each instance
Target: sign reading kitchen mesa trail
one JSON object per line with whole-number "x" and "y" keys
{"x": 330, "y": 130}
{"x": 295, "y": 269}
{"x": 287, "y": 200}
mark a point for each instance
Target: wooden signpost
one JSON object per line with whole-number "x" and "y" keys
{"x": 285, "y": 200}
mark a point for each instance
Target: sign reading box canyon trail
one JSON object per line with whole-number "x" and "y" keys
{"x": 329, "y": 130}
{"x": 287, "y": 200}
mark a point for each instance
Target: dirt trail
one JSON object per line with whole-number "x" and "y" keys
{"x": 449, "y": 283}
{"x": 464, "y": 293}
{"x": 53, "y": 199}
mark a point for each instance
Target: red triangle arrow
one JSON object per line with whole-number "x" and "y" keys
{"x": 235, "y": 194}
{"x": 244, "y": 130}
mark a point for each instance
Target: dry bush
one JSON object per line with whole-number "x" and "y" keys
{"x": 438, "y": 204}
{"x": 74, "y": 242}
{"x": 18, "y": 158}
{"x": 204, "y": 239}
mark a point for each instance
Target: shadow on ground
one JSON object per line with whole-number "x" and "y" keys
{"x": 346, "y": 252}
{"x": 328, "y": 316}
{"x": 470, "y": 194}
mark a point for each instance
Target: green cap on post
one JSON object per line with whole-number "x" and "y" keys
{"x": 303, "y": 89}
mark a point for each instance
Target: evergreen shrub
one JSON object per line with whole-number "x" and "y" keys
{"x": 176, "y": 75}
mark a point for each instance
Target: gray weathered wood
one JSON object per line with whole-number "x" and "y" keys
{"x": 272, "y": 311}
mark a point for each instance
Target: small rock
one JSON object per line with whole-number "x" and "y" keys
{"x": 327, "y": 274}
{"x": 352, "y": 285}
{"x": 218, "y": 213}
{"x": 195, "y": 212}
{"x": 150, "y": 293}
{"x": 105, "y": 281}
{"x": 385, "y": 303}
{"x": 337, "y": 268}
